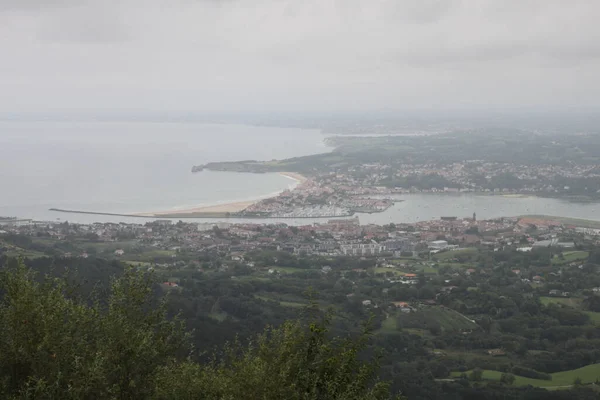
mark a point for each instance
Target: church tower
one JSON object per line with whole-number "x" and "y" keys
{"x": 474, "y": 217}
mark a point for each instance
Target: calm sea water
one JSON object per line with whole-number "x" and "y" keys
{"x": 136, "y": 167}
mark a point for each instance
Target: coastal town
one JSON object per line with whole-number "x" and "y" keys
{"x": 365, "y": 174}
{"x": 374, "y": 187}
{"x": 313, "y": 198}
{"x": 455, "y": 290}
{"x": 300, "y": 200}
{"x": 338, "y": 237}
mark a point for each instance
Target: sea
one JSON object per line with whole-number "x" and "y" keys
{"x": 134, "y": 167}
{"x": 131, "y": 167}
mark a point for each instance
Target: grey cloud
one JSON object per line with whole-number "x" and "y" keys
{"x": 37, "y": 5}
{"x": 221, "y": 54}
{"x": 89, "y": 24}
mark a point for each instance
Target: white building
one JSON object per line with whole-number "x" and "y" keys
{"x": 438, "y": 244}
{"x": 362, "y": 249}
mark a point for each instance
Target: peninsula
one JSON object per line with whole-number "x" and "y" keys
{"x": 509, "y": 162}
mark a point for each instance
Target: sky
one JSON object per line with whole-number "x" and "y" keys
{"x": 288, "y": 55}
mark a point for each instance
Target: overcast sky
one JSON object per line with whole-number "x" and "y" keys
{"x": 283, "y": 55}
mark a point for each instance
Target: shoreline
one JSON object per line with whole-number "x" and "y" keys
{"x": 223, "y": 208}
{"x": 233, "y": 207}
{"x": 199, "y": 215}
{"x": 217, "y": 210}
{"x": 294, "y": 176}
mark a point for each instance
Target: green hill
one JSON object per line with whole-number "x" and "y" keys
{"x": 587, "y": 374}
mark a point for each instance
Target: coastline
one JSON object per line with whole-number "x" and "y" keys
{"x": 232, "y": 207}
{"x": 220, "y": 210}
{"x": 294, "y": 176}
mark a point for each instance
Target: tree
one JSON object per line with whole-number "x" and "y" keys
{"x": 289, "y": 362}
{"x": 56, "y": 343}
{"x": 474, "y": 230}
{"x": 476, "y": 375}
{"x": 507, "y": 378}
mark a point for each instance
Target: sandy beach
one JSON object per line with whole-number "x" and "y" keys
{"x": 217, "y": 208}
{"x": 220, "y": 208}
{"x": 295, "y": 176}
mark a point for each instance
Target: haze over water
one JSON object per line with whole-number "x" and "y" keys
{"x": 125, "y": 167}
{"x": 128, "y": 167}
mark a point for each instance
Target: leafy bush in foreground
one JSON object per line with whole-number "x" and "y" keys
{"x": 55, "y": 344}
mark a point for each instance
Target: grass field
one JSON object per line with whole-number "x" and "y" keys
{"x": 108, "y": 247}
{"x": 587, "y": 374}
{"x": 289, "y": 270}
{"x": 570, "y": 256}
{"x": 429, "y": 270}
{"x": 442, "y": 317}
{"x": 24, "y": 253}
{"x": 292, "y": 304}
{"x": 389, "y": 325}
{"x": 382, "y": 270}
{"x": 457, "y": 265}
{"x": 447, "y": 255}
{"x": 594, "y": 316}
{"x": 283, "y": 303}
{"x": 148, "y": 256}
{"x": 567, "y": 301}
{"x": 571, "y": 302}
{"x": 219, "y": 316}
{"x": 584, "y": 223}
{"x": 138, "y": 263}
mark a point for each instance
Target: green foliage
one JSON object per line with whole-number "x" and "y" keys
{"x": 289, "y": 362}
{"x": 476, "y": 375}
{"x": 56, "y": 344}
{"x": 530, "y": 373}
{"x": 507, "y": 379}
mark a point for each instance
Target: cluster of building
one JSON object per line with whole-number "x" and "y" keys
{"x": 316, "y": 199}
{"x": 338, "y": 237}
{"x": 467, "y": 176}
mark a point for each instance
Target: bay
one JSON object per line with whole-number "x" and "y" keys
{"x": 126, "y": 167}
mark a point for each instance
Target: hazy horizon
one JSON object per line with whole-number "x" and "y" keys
{"x": 267, "y": 56}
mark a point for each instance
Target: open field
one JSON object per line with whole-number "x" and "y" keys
{"x": 570, "y": 256}
{"x": 138, "y": 263}
{"x": 289, "y": 270}
{"x": 571, "y": 302}
{"x": 447, "y": 255}
{"x": 584, "y": 223}
{"x": 24, "y": 253}
{"x": 292, "y": 304}
{"x": 389, "y": 325}
{"x": 284, "y": 303}
{"x": 383, "y": 270}
{"x": 587, "y": 374}
{"x": 436, "y": 317}
{"x": 149, "y": 256}
{"x": 567, "y": 301}
{"x": 594, "y": 316}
